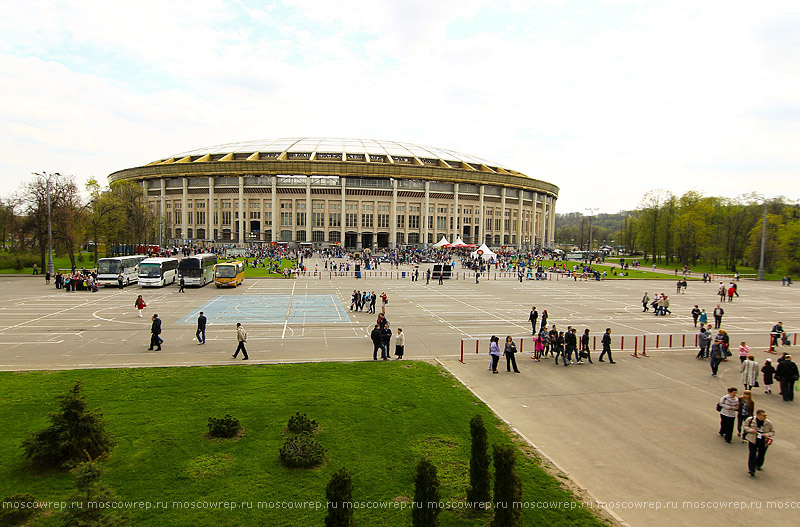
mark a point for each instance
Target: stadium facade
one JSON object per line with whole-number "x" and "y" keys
{"x": 360, "y": 193}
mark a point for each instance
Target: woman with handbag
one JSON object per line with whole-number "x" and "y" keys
{"x": 749, "y": 371}
{"x": 747, "y": 408}
{"x": 510, "y": 352}
{"x": 728, "y": 407}
{"x": 758, "y": 431}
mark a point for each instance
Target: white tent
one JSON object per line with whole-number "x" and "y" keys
{"x": 484, "y": 252}
{"x": 460, "y": 243}
{"x": 442, "y": 243}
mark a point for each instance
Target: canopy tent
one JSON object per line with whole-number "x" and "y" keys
{"x": 460, "y": 243}
{"x": 442, "y": 243}
{"x": 484, "y": 252}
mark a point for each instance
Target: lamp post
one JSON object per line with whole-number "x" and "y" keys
{"x": 763, "y": 242}
{"x": 591, "y": 232}
{"x": 47, "y": 177}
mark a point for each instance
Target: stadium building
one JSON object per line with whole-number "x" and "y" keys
{"x": 360, "y": 193}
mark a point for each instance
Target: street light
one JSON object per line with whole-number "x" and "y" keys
{"x": 591, "y": 216}
{"x": 46, "y": 176}
{"x": 763, "y": 243}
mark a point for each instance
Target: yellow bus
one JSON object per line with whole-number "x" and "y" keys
{"x": 229, "y": 274}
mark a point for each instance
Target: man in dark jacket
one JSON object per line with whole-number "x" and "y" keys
{"x": 155, "y": 332}
{"x": 201, "y": 329}
{"x": 534, "y": 316}
{"x": 606, "y": 340}
{"x": 787, "y": 375}
{"x": 386, "y": 337}
{"x": 570, "y": 343}
{"x": 377, "y": 343}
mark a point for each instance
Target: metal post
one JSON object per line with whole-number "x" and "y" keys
{"x": 50, "y": 266}
{"x": 763, "y": 243}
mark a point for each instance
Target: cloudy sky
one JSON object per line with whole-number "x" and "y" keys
{"x": 605, "y": 98}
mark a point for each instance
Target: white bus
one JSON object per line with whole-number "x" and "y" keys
{"x": 109, "y": 269}
{"x": 198, "y": 269}
{"x": 158, "y": 272}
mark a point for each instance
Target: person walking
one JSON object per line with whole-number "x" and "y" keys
{"x": 571, "y": 343}
{"x": 377, "y": 342}
{"x": 704, "y": 341}
{"x": 155, "y": 333}
{"x": 559, "y": 348}
{"x": 728, "y": 407}
{"x": 140, "y": 304}
{"x": 120, "y": 281}
{"x": 744, "y": 351}
{"x": 441, "y": 276}
{"x": 428, "y": 276}
{"x": 717, "y": 355}
{"x": 201, "y": 329}
{"x": 494, "y": 351}
{"x": 510, "y": 352}
{"x": 721, "y": 292}
{"x": 645, "y": 302}
{"x": 695, "y": 314}
{"x": 606, "y": 341}
{"x": 759, "y": 433}
{"x": 538, "y": 347}
{"x": 747, "y": 407}
{"x": 372, "y": 300}
{"x": 544, "y": 320}
{"x": 703, "y": 319}
{"x": 182, "y": 285}
{"x": 533, "y": 318}
{"x": 718, "y": 313}
{"x": 399, "y": 344}
{"x": 769, "y": 372}
{"x": 585, "y": 352}
{"x": 241, "y": 337}
{"x": 786, "y": 373}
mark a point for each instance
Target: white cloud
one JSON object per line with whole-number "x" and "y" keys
{"x": 605, "y": 99}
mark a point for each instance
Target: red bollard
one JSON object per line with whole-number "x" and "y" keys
{"x": 521, "y": 342}
{"x": 477, "y": 343}
{"x": 670, "y": 340}
{"x": 657, "y": 339}
{"x": 794, "y": 342}
{"x": 683, "y": 345}
{"x": 622, "y": 343}
{"x": 636, "y": 344}
{"x": 644, "y": 343}
{"x": 696, "y": 340}
{"x": 462, "y": 351}
{"x": 594, "y": 343}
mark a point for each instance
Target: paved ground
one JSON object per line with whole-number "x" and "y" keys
{"x": 642, "y": 430}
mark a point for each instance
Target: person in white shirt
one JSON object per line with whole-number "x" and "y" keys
{"x": 399, "y": 344}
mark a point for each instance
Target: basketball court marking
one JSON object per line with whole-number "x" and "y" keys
{"x": 271, "y": 309}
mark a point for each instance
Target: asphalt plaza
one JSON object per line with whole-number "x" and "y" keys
{"x": 639, "y": 434}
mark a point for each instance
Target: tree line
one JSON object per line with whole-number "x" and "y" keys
{"x": 694, "y": 228}
{"x": 116, "y": 215}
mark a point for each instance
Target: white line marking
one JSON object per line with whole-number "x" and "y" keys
{"x": 289, "y": 311}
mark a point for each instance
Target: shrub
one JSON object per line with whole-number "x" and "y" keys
{"x": 426, "y": 494}
{"x": 228, "y": 426}
{"x": 90, "y": 491}
{"x": 302, "y": 450}
{"x": 301, "y": 423}
{"x": 479, "y": 479}
{"x": 16, "y": 509}
{"x": 507, "y": 488}
{"x": 75, "y": 432}
{"x": 339, "y": 494}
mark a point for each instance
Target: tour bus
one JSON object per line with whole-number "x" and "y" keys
{"x": 158, "y": 272}
{"x": 229, "y": 274}
{"x": 198, "y": 269}
{"x": 109, "y": 269}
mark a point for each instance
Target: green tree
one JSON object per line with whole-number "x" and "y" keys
{"x": 507, "y": 488}
{"x": 426, "y": 496}
{"x": 91, "y": 493}
{"x": 75, "y": 432}
{"x": 479, "y": 491}
{"x": 339, "y": 494}
{"x": 773, "y": 251}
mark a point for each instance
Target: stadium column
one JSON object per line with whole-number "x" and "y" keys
{"x": 457, "y": 216}
{"x": 308, "y": 208}
{"x": 503, "y": 227}
{"x": 393, "y": 217}
{"x": 534, "y": 234}
{"x": 343, "y": 212}
{"x": 163, "y": 213}
{"x": 274, "y": 208}
{"x": 242, "y": 212}
{"x": 426, "y": 213}
{"x": 184, "y": 208}
{"x": 481, "y": 221}
{"x": 520, "y": 194}
{"x": 552, "y": 220}
{"x": 210, "y": 226}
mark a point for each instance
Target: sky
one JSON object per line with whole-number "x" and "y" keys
{"x": 606, "y": 99}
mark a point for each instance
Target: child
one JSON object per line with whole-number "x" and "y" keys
{"x": 538, "y": 347}
{"x": 744, "y": 351}
{"x": 768, "y": 372}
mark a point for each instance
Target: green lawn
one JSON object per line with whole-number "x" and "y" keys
{"x": 631, "y": 273}
{"x": 59, "y": 262}
{"x": 377, "y": 419}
